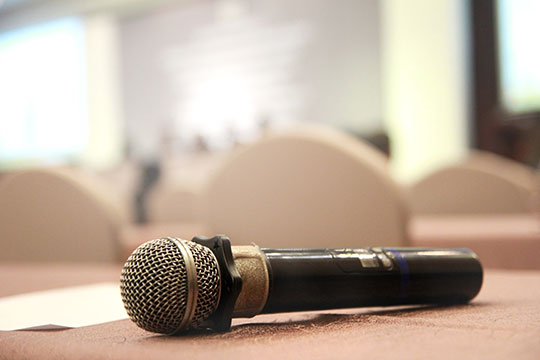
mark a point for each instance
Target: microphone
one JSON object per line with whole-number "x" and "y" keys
{"x": 170, "y": 285}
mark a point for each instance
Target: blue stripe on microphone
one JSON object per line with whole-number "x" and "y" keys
{"x": 405, "y": 274}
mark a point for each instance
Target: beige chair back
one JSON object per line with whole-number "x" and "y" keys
{"x": 307, "y": 188}
{"x": 57, "y": 215}
{"x": 169, "y": 203}
{"x": 176, "y": 197}
{"x": 483, "y": 184}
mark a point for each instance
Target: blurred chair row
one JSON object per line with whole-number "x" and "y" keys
{"x": 306, "y": 188}
{"x": 58, "y": 214}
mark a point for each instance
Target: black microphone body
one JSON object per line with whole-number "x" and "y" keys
{"x": 316, "y": 279}
{"x": 170, "y": 285}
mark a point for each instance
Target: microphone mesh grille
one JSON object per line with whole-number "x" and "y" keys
{"x": 207, "y": 280}
{"x": 154, "y": 285}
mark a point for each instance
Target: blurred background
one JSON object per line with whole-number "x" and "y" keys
{"x": 153, "y": 98}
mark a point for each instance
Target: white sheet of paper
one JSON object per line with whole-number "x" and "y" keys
{"x": 70, "y": 307}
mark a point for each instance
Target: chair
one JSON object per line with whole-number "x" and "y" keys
{"x": 313, "y": 187}
{"x": 487, "y": 204}
{"x": 176, "y": 196}
{"x": 55, "y": 214}
{"x": 483, "y": 184}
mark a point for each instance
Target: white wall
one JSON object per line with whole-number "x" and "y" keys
{"x": 332, "y": 76}
{"x": 426, "y": 83}
{"x": 106, "y": 141}
{"x": 420, "y": 46}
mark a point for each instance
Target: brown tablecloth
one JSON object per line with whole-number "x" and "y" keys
{"x": 502, "y": 322}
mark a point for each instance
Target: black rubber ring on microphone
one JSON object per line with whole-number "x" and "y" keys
{"x": 231, "y": 282}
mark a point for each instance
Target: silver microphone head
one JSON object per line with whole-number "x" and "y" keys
{"x": 169, "y": 285}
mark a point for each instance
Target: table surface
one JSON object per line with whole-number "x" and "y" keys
{"x": 502, "y": 322}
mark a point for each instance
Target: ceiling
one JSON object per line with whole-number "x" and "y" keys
{"x": 7, "y": 5}
{"x": 19, "y": 13}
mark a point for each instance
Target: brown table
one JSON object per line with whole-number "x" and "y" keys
{"x": 502, "y": 322}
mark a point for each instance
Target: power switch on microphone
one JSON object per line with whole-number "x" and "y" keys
{"x": 385, "y": 260}
{"x": 356, "y": 260}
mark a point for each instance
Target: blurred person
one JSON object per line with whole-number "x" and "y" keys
{"x": 149, "y": 174}
{"x": 145, "y": 150}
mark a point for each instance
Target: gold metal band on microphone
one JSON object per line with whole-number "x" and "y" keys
{"x": 192, "y": 286}
{"x": 250, "y": 262}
